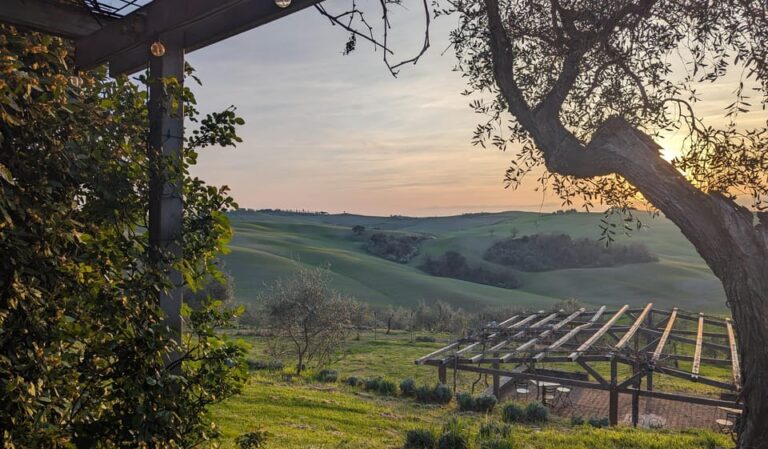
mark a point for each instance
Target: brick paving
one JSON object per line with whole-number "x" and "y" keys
{"x": 589, "y": 403}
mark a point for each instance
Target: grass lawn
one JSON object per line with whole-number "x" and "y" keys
{"x": 305, "y": 414}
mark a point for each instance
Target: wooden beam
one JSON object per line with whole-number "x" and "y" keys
{"x": 508, "y": 320}
{"x": 597, "y": 335}
{"x": 631, "y": 332}
{"x": 544, "y": 334}
{"x": 420, "y": 361}
{"x": 735, "y": 366}
{"x": 597, "y": 314}
{"x": 563, "y": 340}
{"x": 49, "y": 17}
{"x": 123, "y": 42}
{"x": 166, "y": 207}
{"x": 697, "y": 352}
{"x": 664, "y": 337}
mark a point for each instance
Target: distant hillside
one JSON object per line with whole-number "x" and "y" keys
{"x": 269, "y": 244}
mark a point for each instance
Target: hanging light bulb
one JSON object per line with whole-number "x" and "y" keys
{"x": 75, "y": 81}
{"x": 157, "y": 49}
{"x": 283, "y": 3}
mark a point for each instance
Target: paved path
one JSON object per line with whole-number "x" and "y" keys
{"x": 589, "y": 403}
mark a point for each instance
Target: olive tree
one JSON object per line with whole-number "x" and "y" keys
{"x": 306, "y": 318}
{"x": 588, "y": 88}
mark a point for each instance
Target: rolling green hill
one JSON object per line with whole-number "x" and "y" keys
{"x": 269, "y": 245}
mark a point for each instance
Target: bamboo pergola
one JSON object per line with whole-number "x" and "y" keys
{"x": 635, "y": 337}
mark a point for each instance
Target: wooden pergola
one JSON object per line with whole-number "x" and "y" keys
{"x": 121, "y": 33}
{"x": 635, "y": 337}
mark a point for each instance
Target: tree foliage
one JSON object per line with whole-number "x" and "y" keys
{"x": 307, "y": 319}
{"x": 82, "y": 340}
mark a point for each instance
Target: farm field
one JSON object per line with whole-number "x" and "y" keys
{"x": 268, "y": 246}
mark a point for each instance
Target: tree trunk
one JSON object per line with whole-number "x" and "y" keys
{"x": 389, "y": 324}
{"x": 723, "y": 233}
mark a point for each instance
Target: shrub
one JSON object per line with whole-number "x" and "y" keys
{"x": 372, "y": 384}
{"x": 442, "y": 394}
{"x": 577, "y": 420}
{"x": 536, "y": 412}
{"x": 387, "y": 388}
{"x": 598, "y": 422}
{"x": 492, "y": 429}
{"x": 353, "y": 381}
{"x": 425, "y": 339}
{"x": 252, "y": 440}
{"x": 513, "y": 413}
{"x": 327, "y": 375}
{"x": 465, "y": 402}
{"x": 420, "y": 439}
{"x": 485, "y": 403}
{"x": 454, "y": 436}
{"x": 380, "y": 386}
{"x": 267, "y": 365}
{"x": 408, "y": 387}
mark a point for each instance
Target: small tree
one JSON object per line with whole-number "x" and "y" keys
{"x": 308, "y": 320}
{"x": 358, "y": 229}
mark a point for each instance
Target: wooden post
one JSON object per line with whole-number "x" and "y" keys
{"x": 613, "y": 398}
{"x": 636, "y": 397}
{"x": 442, "y": 376}
{"x": 496, "y": 383}
{"x": 166, "y": 131}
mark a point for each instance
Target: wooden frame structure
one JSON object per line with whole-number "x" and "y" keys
{"x": 121, "y": 33}
{"x": 635, "y": 337}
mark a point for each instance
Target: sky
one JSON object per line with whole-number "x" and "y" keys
{"x": 336, "y": 133}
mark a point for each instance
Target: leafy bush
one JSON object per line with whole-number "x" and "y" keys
{"x": 492, "y": 429}
{"x": 387, "y": 388}
{"x": 439, "y": 394}
{"x": 327, "y": 375}
{"x": 268, "y": 365}
{"x": 420, "y": 439}
{"x": 455, "y": 435}
{"x": 467, "y": 403}
{"x": 442, "y": 394}
{"x": 408, "y": 387}
{"x": 577, "y": 420}
{"x": 84, "y": 341}
{"x": 599, "y": 422}
{"x": 485, "y": 403}
{"x": 536, "y": 412}
{"x": 513, "y": 413}
{"x": 380, "y": 386}
{"x": 372, "y": 384}
{"x": 544, "y": 252}
{"x": 252, "y": 440}
{"x": 353, "y": 381}
{"x": 425, "y": 339}
{"x": 453, "y": 265}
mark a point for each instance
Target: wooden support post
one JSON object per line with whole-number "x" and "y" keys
{"x": 636, "y": 397}
{"x": 613, "y": 397}
{"x": 496, "y": 383}
{"x": 166, "y": 130}
{"x": 442, "y": 375}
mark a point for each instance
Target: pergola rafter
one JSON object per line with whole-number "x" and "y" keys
{"x": 627, "y": 336}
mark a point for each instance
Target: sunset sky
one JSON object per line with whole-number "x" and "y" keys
{"x": 338, "y": 133}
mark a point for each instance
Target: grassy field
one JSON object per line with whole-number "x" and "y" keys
{"x": 300, "y": 413}
{"x": 268, "y": 246}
